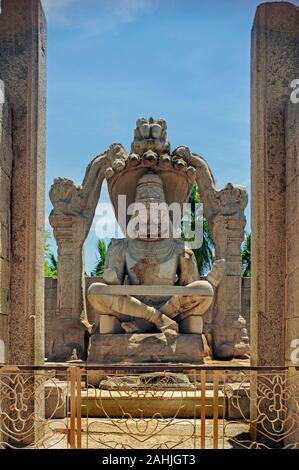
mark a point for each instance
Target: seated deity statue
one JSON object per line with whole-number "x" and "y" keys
{"x": 151, "y": 305}
{"x": 159, "y": 260}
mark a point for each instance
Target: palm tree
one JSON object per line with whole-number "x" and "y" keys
{"x": 101, "y": 256}
{"x": 50, "y": 259}
{"x": 246, "y": 259}
{"x": 205, "y": 254}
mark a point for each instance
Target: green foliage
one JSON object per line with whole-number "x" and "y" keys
{"x": 50, "y": 259}
{"x": 101, "y": 256}
{"x": 205, "y": 254}
{"x": 246, "y": 258}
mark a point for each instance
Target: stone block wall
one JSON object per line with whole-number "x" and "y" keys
{"x": 51, "y": 298}
{"x": 5, "y": 221}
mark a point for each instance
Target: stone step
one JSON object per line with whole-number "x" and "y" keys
{"x": 169, "y": 403}
{"x": 146, "y": 403}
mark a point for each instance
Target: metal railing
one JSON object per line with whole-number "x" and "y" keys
{"x": 148, "y": 407}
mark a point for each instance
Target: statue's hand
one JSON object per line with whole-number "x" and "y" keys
{"x": 110, "y": 276}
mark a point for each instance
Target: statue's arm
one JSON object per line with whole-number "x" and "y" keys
{"x": 114, "y": 270}
{"x": 188, "y": 271}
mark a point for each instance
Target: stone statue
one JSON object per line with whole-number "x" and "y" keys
{"x": 151, "y": 300}
{"x": 169, "y": 298}
{"x": 153, "y": 261}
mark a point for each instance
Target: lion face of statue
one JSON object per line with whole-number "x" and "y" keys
{"x": 154, "y": 214}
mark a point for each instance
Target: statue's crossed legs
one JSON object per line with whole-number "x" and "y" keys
{"x": 117, "y": 312}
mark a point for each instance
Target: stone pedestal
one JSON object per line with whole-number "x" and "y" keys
{"x": 145, "y": 348}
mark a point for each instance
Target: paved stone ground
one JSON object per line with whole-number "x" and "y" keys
{"x": 100, "y": 433}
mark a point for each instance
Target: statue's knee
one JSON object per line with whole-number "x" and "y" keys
{"x": 194, "y": 284}
{"x": 98, "y": 302}
{"x": 192, "y": 324}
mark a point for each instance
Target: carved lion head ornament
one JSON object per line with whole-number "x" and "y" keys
{"x": 150, "y": 152}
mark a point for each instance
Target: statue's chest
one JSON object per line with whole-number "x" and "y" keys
{"x": 150, "y": 271}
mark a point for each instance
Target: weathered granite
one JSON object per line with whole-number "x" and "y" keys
{"x": 5, "y": 220}
{"x": 158, "y": 380}
{"x": 142, "y": 348}
{"x": 245, "y": 301}
{"x": 169, "y": 404}
{"x": 74, "y": 207}
{"x": 274, "y": 248}
{"x": 23, "y": 69}
{"x": 274, "y": 64}
{"x": 164, "y": 291}
{"x": 50, "y": 308}
{"x": 224, "y": 211}
{"x": 292, "y": 229}
{"x": 71, "y": 218}
{"x": 238, "y": 401}
{"x": 56, "y": 396}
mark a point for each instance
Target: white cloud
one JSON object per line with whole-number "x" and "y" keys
{"x": 96, "y": 16}
{"x": 57, "y": 10}
{"x": 127, "y": 10}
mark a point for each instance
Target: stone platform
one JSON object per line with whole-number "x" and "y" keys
{"x": 140, "y": 348}
{"x": 99, "y": 403}
{"x": 147, "y": 404}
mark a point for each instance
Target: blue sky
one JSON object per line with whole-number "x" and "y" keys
{"x": 111, "y": 61}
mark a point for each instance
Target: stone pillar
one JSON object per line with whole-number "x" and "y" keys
{"x": 23, "y": 69}
{"x": 70, "y": 333}
{"x": 230, "y": 337}
{"x": 230, "y": 333}
{"x": 5, "y": 221}
{"x": 292, "y": 230}
{"x": 274, "y": 249}
{"x": 245, "y": 299}
{"x": 274, "y": 64}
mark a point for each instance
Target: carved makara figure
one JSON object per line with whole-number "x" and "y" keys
{"x": 153, "y": 260}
